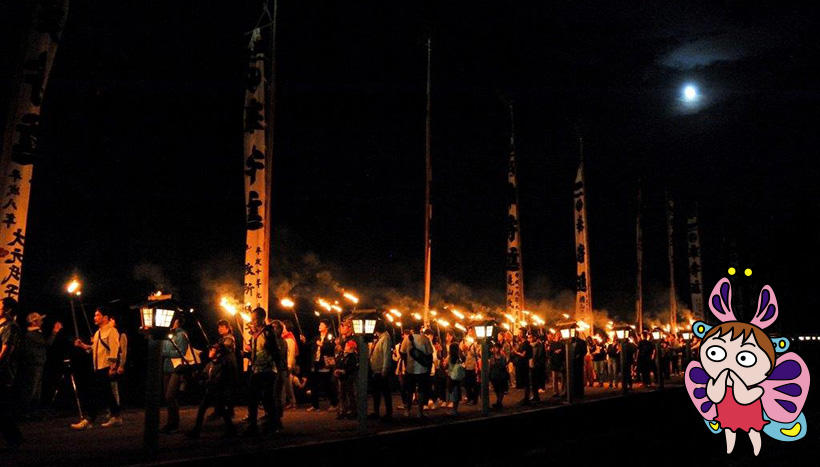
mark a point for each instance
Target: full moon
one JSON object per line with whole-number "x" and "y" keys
{"x": 690, "y": 93}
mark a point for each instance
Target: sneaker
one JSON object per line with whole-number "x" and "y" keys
{"x": 400, "y": 407}
{"x": 431, "y": 405}
{"x": 311, "y": 409}
{"x": 83, "y": 424}
{"x": 113, "y": 421}
{"x": 449, "y": 405}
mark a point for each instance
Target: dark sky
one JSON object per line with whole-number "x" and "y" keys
{"x": 142, "y": 151}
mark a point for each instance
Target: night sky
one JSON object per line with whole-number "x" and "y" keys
{"x": 140, "y": 186}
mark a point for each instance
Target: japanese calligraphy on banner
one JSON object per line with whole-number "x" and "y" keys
{"x": 515, "y": 269}
{"x": 695, "y": 266}
{"x": 583, "y": 295}
{"x": 256, "y": 163}
{"x": 21, "y": 137}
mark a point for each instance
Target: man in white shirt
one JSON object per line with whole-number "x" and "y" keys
{"x": 105, "y": 351}
{"x": 416, "y": 346}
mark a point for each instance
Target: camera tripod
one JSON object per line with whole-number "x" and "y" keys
{"x": 68, "y": 374}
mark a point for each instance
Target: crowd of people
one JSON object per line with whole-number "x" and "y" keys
{"x": 267, "y": 364}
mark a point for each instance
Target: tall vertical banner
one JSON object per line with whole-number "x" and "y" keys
{"x": 428, "y": 185}
{"x": 21, "y": 139}
{"x": 695, "y": 265}
{"x": 639, "y": 254}
{"x": 515, "y": 268}
{"x": 256, "y": 162}
{"x": 673, "y": 302}
{"x": 583, "y": 295}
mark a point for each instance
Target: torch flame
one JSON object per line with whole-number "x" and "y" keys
{"x": 416, "y": 316}
{"x": 226, "y": 304}
{"x": 351, "y": 297}
{"x": 73, "y": 286}
{"x": 457, "y": 313}
{"x": 286, "y": 303}
{"x": 460, "y": 327}
{"x": 395, "y": 312}
{"x": 324, "y": 304}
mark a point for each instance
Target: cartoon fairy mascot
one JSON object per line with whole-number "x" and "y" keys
{"x": 740, "y": 383}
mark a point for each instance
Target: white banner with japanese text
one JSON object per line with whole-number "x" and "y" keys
{"x": 257, "y": 180}
{"x": 583, "y": 300}
{"x": 21, "y": 139}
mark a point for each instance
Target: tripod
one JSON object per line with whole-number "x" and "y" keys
{"x": 68, "y": 374}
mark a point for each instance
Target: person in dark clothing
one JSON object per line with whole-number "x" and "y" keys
{"x": 599, "y": 363}
{"x": 34, "y": 349}
{"x": 219, "y": 377}
{"x": 347, "y": 371}
{"x": 9, "y": 343}
{"x": 646, "y": 358}
{"x": 557, "y": 364}
{"x": 262, "y": 353}
{"x": 579, "y": 351}
{"x": 499, "y": 377}
{"x": 628, "y": 350}
{"x": 613, "y": 361}
{"x": 282, "y": 375}
{"x": 538, "y": 367}
{"x": 523, "y": 354}
{"x": 323, "y": 360}
{"x": 228, "y": 341}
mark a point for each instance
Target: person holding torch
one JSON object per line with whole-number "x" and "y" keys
{"x": 104, "y": 349}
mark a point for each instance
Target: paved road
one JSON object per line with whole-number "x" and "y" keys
{"x": 51, "y": 442}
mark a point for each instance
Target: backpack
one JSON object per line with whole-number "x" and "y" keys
{"x": 423, "y": 359}
{"x": 457, "y": 372}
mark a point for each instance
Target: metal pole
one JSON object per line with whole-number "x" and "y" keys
{"x": 361, "y": 392}
{"x": 153, "y": 390}
{"x": 485, "y": 376}
{"x": 201, "y": 329}
{"x": 568, "y": 385}
{"x": 74, "y": 319}
{"x": 85, "y": 317}
{"x": 298, "y": 324}
{"x": 673, "y": 303}
{"x": 76, "y": 394}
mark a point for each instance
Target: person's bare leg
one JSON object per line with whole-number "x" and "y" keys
{"x": 754, "y": 436}
{"x": 730, "y": 441}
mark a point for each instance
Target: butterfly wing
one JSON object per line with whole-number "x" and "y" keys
{"x": 791, "y": 431}
{"x": 786, "y": 388}
{"x": 695, "y": 380}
